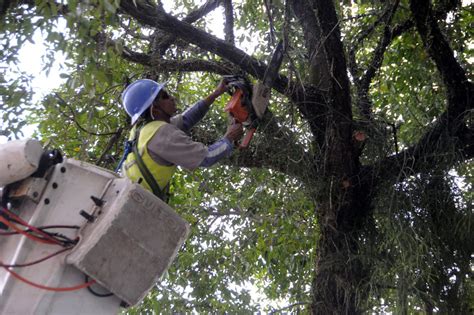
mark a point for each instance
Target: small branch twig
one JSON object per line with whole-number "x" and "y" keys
{"x": 64, "y": 103}
{"x": 164, "y": 40}
{"x": 270, "y": 21}
{"x": 112, "y": 141}
{"x": 363, "y": 84}
{"x": 289, "y": 307}
{"x": 229, "y": 22}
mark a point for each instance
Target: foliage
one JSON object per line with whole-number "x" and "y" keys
{"x": 421, "y": 262}
{"x": 233, "y": 251}
{"x": 256, "y": 223}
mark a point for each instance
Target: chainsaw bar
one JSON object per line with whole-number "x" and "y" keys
{"x": 249, "y": 103}
{"x": 262, "y": 91}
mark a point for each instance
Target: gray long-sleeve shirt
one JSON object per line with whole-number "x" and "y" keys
{"x": 171, "y": 145}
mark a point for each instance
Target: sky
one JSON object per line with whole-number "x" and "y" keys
{"x": 42, "y": 82}
{"x": 32, "y": 64}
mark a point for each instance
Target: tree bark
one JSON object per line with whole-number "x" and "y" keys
{"x": 341, "y": 202}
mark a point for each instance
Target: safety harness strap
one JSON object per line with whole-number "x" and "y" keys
{"x": 145, "y": 172}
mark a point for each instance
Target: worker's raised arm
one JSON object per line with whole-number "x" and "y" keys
{"x": 194, "y": 114}
{"x": 223, "y": 147}
{"x": 171, "y": 145}
{"x": 220, "y": 89}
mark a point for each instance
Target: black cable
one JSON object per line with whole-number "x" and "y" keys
{"x": 66, "y": 241}
{"x": 36, "y": 261}
{"x": 89, "y": 288}
{"x": 60, "y": 237}
{"x": 76, "y": 227}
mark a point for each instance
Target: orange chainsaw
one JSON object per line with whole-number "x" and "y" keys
{"x": 249, "y": 103}
{"x": 240, "y": 106}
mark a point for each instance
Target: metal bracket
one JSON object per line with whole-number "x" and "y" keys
{"x": 31, "y": 188}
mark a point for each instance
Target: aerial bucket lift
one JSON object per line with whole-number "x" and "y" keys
{"x": 66, "y": 225}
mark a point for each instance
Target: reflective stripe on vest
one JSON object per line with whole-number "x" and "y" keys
{"x": 161, "y": 173}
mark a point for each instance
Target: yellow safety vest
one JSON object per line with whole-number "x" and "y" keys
{"x": 161, "y": 173}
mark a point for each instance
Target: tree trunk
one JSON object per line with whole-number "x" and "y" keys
{"x": 340, "y": 278}
{"x": 342, "y": 206}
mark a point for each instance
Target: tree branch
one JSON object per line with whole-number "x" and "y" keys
{"x": 274, "y": 146}
{"x": 338, "y": 149}
{"x": 330, "y": 31}
{"x": 74, "y": 119}
{"x": 289, "y": 307}
{"x": 278, "y": 149}
{"x": 449, "y": 140}
{"x": 437, "y": 147}
{"x": 363, "y": 81}
{"x": 133, "y": 33}
{"x": 353, "y": 67}
{"x": 151, "y": 15}
{"x": 380, "y": 49}
{"x": 363, "y": 102}
{"x": 308, "y": 98}
{"x": 270, "y": 22}
{"x": 156, "y": 62}
{"x": 313, "y": 108}
{"x": 163, "y": 40}
{"x": 459, "y": 90}
{"x": 229, "y": 22}
{"x": 189, "y": 65}
{"x": 112, "y": 141}
{"x": 319, "y": 69}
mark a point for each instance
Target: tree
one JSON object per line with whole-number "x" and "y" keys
{"x": 355, "y": 194}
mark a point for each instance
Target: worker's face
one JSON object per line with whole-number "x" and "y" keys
{"x": 166, "y": 103}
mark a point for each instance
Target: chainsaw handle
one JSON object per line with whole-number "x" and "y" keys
{"x": 246, "y": 140}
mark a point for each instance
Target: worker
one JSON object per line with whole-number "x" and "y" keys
{"x": 159, "y": 138}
